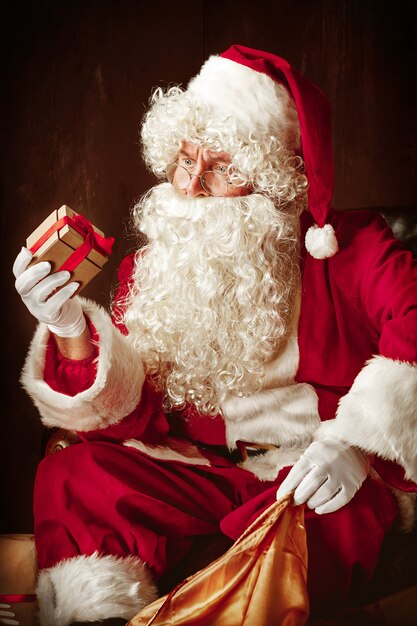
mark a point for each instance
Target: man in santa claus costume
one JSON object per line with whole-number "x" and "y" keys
{"x": 254, "y": 313}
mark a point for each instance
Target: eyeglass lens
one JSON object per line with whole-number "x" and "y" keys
{"x": 213, "y": 182}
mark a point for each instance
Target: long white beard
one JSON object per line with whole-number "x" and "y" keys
{"x": 212, "y": 293}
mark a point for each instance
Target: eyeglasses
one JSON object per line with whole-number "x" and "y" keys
{"x": 212, "y": 181}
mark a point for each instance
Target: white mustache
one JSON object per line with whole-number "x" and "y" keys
{"x": 166, "y": 215}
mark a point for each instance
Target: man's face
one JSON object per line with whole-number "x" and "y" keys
{"x": 203, "y": 165}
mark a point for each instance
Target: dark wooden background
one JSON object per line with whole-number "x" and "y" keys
{"x": 76, "y": 79}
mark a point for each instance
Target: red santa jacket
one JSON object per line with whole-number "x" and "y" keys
{"x": 354, "y": 375}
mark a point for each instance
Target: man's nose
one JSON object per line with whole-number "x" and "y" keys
{"x": 195, "y": 188}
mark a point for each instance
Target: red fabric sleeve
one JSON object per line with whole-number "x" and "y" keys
{"x": 382, "y": 280}
{"x": 385, "y": 278}
{"x": 146, "y": 422}
{"x": 392, "y": 289}
{"x": 66, "y": 375}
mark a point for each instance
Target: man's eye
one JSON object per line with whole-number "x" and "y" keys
{"x": 187, "y": 162}
{"x": 222, "y": 169}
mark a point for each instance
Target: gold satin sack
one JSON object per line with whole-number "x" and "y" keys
{"x": 261, "y": 579}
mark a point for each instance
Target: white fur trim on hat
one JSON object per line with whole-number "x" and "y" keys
{"x": 90, "y": 588}
{"x": 115, "y": 392}
{"x": 321, "y": 243}
{"x": 255, "y": 101}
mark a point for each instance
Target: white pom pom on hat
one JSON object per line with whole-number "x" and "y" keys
{"x": 313, "y": 111}
{"x": 321, "y": 242}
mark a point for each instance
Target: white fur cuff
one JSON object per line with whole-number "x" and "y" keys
{"x": 379, "y": 414}
{"x": 90, "y": 588}
{"x": 115, "y": 392}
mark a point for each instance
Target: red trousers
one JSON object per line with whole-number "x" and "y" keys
{"x": 106, "y": 497}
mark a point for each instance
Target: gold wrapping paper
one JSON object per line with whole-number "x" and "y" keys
{"x": 261, "y": 579}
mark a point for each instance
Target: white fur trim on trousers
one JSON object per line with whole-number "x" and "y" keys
{"x": 90, "y": 588}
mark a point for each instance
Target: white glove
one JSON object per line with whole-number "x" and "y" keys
{"x": 327, "y": 476}
{"x": 63, "y": 316}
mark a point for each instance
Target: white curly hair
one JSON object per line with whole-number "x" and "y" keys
{"x": 212, "y": 293}
{"x": 270, "y": 163}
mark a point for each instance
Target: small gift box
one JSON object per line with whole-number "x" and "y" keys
{"x": 70, "y": 242}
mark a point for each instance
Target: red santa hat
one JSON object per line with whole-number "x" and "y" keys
{"x": 242, "y": 82}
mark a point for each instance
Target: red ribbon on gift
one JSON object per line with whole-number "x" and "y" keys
{"x": 92, "y": 239}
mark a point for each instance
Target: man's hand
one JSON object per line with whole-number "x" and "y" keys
{"x": 36, "y": 286}
{"x": 327, "y": 476}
